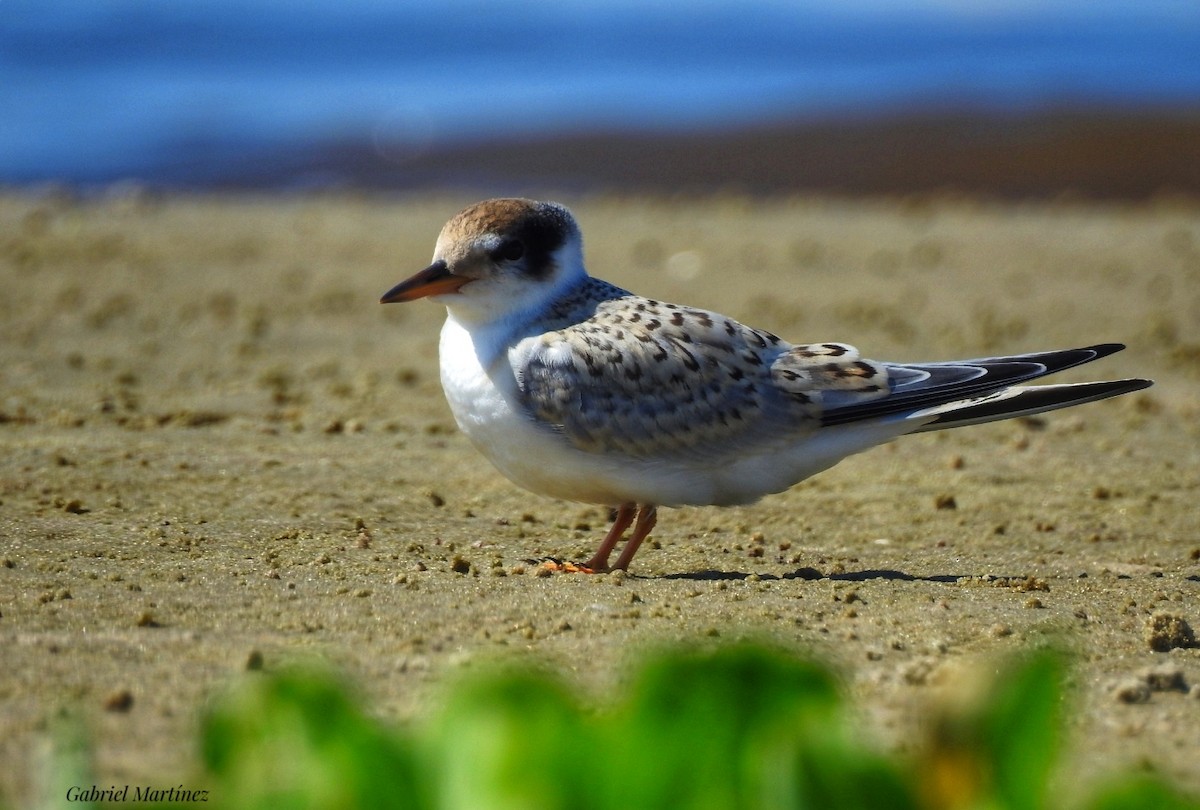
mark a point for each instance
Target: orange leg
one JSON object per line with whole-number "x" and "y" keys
{"x": 599, "y": 561}
{"x": 647, "y": 517}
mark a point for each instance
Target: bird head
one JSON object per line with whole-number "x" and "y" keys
{"x": 498, "y": 256}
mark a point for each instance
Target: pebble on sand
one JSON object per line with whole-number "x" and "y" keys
{"x": 1166, "y": 631}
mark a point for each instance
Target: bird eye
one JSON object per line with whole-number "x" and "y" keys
{"x": 510, "y": 250}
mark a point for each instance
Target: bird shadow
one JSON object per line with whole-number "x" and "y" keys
{"x": 712, "y": 575}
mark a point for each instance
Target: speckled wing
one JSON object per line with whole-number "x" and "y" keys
{"x": 645, "y": 378}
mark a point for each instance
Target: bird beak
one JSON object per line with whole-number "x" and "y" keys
{"x": 436, "y": 279}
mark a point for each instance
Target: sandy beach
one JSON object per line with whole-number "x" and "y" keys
{"x": 217, "y": 448}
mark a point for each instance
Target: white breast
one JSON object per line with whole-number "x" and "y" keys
{"x": 482, "y": 393}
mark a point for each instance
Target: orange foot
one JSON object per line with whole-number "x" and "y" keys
{"x": 564, "y": 566}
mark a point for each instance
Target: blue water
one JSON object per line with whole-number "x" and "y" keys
{"x": 95, "y": 90}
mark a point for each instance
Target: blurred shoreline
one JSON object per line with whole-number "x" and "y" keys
{"x": 1083, "y": 152}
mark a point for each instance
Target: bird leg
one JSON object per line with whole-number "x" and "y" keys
{"x": 647, "y": 517}
{"x": 599, "y": 561}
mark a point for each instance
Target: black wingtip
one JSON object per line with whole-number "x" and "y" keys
{"x": 1033, "y": 399}
{"x": 1105, "y": 349}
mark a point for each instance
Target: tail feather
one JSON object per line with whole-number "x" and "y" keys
{"x": 978, "y": 390}
{"x": 1021, "y": 401}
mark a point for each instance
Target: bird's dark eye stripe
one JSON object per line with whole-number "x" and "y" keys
{"x": 509, "y": 250}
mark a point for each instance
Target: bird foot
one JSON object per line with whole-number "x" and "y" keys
{"x": 565, "y": 566}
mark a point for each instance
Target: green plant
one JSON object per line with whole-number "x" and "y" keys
{"x": 998, "y": 750}
{"x": 298, "y": 740}
{"x": 742, "y": 726}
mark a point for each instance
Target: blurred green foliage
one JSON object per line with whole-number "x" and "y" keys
{"x": 741, "y": 726}
{"x": 298, "y": 740}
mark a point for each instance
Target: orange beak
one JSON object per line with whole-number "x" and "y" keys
{"x": 436, "y": 279}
